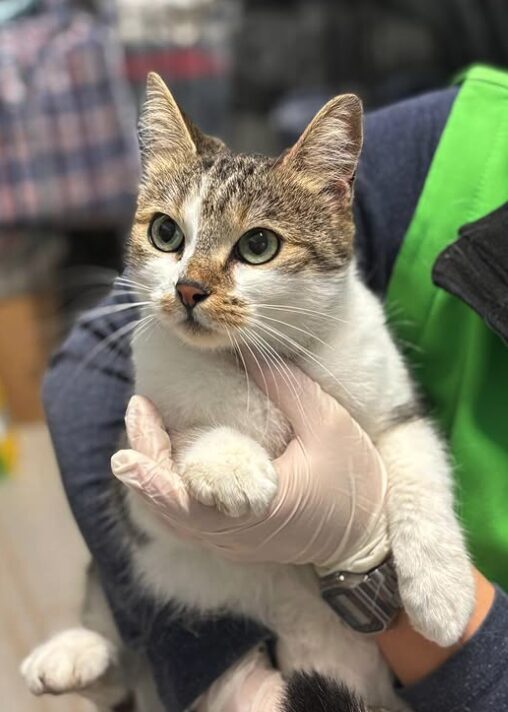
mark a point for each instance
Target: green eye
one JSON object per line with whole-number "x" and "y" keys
{"x": 165, "y": 234}
{"x": 257, "y": 246}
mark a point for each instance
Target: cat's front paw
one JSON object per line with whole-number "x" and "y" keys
{"x": 68, "y": 662}
{"x": 230, "y": 471}
{"x": 439, "y": 599}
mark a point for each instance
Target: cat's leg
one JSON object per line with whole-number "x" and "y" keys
{"x": 84, "y": 660}
{"x": 311, "y": 691}
{"x": 350, "y": 661}
{"x": 312, "y": 638}
{"x": 224, "y": 468}
{"x": 433, "y": 566}
{"x": 76, "y": 660}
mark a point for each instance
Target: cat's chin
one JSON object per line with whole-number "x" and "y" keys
{"x": 200, "y": 337}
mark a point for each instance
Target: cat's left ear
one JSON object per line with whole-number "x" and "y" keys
{"x": 165, "y": 128}
{"x": 162, "y": 125}
{"x": 326, "y": 154}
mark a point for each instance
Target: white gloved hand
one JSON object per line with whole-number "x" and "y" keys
{"x": 329, "y": 509}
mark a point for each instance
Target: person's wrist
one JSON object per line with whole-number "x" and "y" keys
{"x": 361, "y": 585}
{"x": 411, "y": 657}
{"x": 485, "y": 595}
{"x": 484, "y": 598}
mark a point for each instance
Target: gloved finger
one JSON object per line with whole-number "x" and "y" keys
{"x": 154, "y": 479}
{"x": 162, "y": 486}
{"x": 145, "y": 429}
{"x": 301, "y": 399}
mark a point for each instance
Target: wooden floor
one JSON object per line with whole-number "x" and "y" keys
{"x": 42, "y": 559}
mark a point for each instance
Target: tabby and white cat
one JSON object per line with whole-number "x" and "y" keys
{"x": 254, "y": 253}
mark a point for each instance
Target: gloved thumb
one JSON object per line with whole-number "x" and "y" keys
{"x": 145, "y": 430}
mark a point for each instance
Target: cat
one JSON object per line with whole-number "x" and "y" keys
{"x": 314, "y": 693}
{"x": 247, "y": 252}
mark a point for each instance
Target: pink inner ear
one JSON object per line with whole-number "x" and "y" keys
{"x": 343, "y": 185}
{"x": 340, "y": 189}
{"x": 284, "y": 156}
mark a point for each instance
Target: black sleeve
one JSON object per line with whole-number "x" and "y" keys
{"x": 475, "y": 679}
{"x": 399, "y": 144}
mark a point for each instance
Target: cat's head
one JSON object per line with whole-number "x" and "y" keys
{"x": 244, "y": 247}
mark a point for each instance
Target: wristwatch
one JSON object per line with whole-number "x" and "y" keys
{"x": 368, "y": 602}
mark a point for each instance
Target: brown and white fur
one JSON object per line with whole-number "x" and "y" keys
{"x": 308, "y": 304}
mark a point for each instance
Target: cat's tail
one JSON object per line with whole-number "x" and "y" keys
{"x": 310, "y": 692}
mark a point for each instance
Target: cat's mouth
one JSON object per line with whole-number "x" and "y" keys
{"x": 192, "y": 325}
{"x": 194, "y": 332}
{"x": 197, "y": 329}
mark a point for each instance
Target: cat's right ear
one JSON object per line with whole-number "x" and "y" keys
{"x": 327, "y": 152}
{"x": 162, "y": 127}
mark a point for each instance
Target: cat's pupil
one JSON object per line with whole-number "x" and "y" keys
{"x": 167, "y": 230}
{"x": 258, "y": 243}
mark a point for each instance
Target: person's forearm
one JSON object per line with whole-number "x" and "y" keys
{"x": 412, "y": 657}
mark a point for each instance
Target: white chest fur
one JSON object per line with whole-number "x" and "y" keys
{"x": 193, "y": 389}
{"x": 356, "y": 362}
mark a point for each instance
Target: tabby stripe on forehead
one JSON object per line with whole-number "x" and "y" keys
{"x": 227, "y": 181}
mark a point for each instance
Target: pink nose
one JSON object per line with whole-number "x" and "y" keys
{"x": 191, "y": 293}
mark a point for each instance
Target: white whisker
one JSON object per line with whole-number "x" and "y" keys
{"x": 239, "y": 351}
{"x": 111, "y": 309}
{"x": 112, "y": 338}
{"x": 296, "y": 328}
{"x": 302, "y": 310}
{"x": 143, "y": 327}
{"x": 282, "y": 369}
{"x": 286, "y": 340}
{"x": 245, "y": 342}
{"x": 133, "y": 286}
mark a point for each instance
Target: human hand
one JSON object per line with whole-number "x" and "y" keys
{"x": 329, "y": 507}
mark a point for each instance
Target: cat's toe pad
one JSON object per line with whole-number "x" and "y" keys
{"x": 233, "y": 473}
{"x": 69, "y": 661}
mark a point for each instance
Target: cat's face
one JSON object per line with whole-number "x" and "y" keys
{"x": 237, "y": 248}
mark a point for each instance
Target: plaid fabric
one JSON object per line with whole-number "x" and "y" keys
{"x": 67, "y": 122}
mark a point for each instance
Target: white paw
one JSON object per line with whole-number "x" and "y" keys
{"x": 440, "y": 599}
{"x": 230, "y": 471}
{"x": 69, "y": 661}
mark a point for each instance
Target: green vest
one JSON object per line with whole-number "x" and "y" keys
{"x": 461, "y": 365}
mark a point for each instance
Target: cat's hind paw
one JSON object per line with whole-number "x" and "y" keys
{"x": 69, "y": 662}
{"x": 230, "y": 471}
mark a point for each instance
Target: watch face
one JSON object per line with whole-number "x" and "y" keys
{"x": 359, "y": 615}
{"x": 369, "y": 603}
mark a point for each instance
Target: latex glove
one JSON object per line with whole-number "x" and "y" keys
{"x": 329, "y": 508}
{"x": 252, "y": 685}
